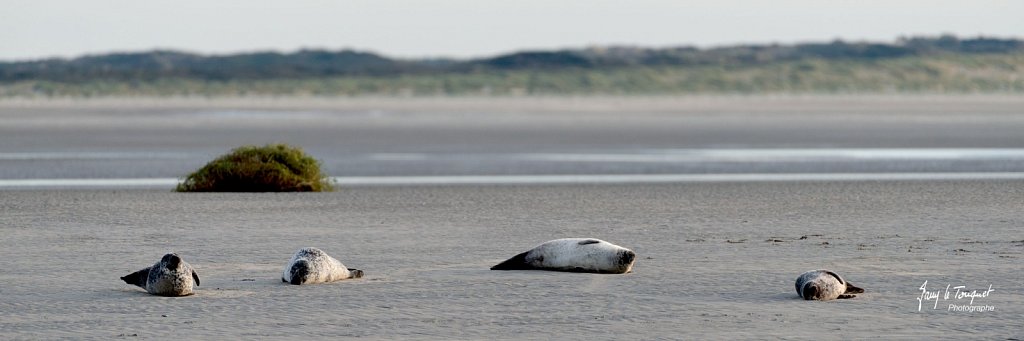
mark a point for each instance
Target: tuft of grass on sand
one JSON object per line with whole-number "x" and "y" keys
{"x": 270, "y": 168}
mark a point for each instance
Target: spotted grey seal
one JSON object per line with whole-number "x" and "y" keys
{"x": 311, "y": 265}
{"x": 824, "y": 285}
{"x": 573, "y": 255}
{"x": 171, "y": 276}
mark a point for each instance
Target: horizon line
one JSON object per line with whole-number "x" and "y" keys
{"x": 565, "y": 179}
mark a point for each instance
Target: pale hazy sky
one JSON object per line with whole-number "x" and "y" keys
{"x": 31, "y": 29}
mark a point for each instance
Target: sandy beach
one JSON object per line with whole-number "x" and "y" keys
{"x": 715, "y": 259}
{"x": 167, "y": 138}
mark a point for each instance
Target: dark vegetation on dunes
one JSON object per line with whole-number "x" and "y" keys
{"x": 320, "y": 63}
{"x": 271, "y": 168}
{"x": 940, "y": 64}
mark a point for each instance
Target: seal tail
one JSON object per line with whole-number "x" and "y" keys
{"x": 518, "y": 262}
{"x": 299, "y": 272}
{"x": 138, "y": 278}
{"x": 852, "y": 289}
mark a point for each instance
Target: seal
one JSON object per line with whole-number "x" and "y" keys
{"x": 824, "y": 285}
{"x": 311, "y": 265}
{"x": 171, "y": 276}
{"x": 573, "y": 255}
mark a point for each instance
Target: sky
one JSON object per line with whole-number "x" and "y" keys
{"x": 34, "y": 29}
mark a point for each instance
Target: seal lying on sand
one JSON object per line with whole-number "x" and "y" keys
{"x": 824, "y": 285}
{"x": 311, "y": 265}
{"x": 573, "y": 255}
{"x": 171, "y": 276}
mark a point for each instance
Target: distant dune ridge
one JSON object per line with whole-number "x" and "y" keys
{"x": 944, "y": 64}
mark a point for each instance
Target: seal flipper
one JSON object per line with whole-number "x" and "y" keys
{"x": 852, "y": 289}
{"x": 846, "y": 296}
{"x": 195, "y": 276}
{"x": 137, "y": 278}
{"x": 355, "y": 273}
{"x": 518, "y": 262}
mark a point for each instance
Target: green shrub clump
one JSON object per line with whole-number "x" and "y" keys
{"x": 271, "y": 168}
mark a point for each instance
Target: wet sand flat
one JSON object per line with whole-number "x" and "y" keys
{"x": 931, "y": 193}
{"x": 167, "y": 138}
{"x": 714, "y": 260}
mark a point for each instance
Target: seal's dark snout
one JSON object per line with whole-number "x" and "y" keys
{"x": 811, "y": 292}
{"x": 172, "y": 260}
{"x": 627, "y": 257}
{"x": 299, "y": 272}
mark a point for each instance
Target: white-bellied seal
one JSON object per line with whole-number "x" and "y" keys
{"x": 171, "y": 276}
{"x": 573, "y": 255}
{"x": 311, "y": 265}
{"x": 824, "y": 285}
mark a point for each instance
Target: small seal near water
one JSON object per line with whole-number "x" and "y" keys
{"x": 824, "y": 285}
{"x": 573, "y": 255}
{"x": 171, "y": 276}
{"x": 311, "y": 265}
